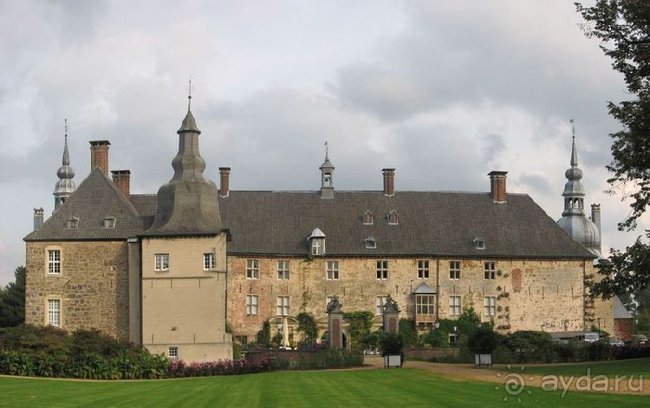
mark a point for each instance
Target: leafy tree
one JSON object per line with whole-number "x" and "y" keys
{"x": 360, "y": 324}
{"x": 264, "y": 336}
{"x": 308, "y": 327}
{"x": 408, "y": 332}
{"x": 624, "y": 272}
{"x": 623, "y": 26}
{"x": 483, "y": 340}
{"x": 391, "y": 344}
{"x": 12, "y": 300}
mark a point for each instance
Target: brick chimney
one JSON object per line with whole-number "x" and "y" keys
{"x": 224, "y": 181}
{"x": 99, "y": 155}
{"x": 389, "y": 182}
{"x": 38, "y": 218}
{"x": 498, "y": 186}
{"x": 122, "y": 181}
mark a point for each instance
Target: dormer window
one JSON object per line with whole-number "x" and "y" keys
{"x": 368, "y": 218}
{"x": 479, "y": 243}
{"x": 393, "y": 218}
{"x": 72, "y": 223}
{"x": 109, "y": 222}
{"x": 317, "y": 242}
{"x": 370, "y": 243}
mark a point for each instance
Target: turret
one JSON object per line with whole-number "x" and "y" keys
{"x": 327, "y": 181}
{"x": 65, "y": 186}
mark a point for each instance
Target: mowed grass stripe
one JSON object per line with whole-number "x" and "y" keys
{"x": 363, "y": 388}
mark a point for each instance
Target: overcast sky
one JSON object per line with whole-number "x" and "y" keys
{"x": 444, "y": 91}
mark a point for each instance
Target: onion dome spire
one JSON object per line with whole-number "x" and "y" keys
{"x": 65, "y": 186}
{"x": 573, "y": 221}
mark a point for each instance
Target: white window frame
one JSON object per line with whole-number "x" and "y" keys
{"x": 453, "y": 339}
{"x": 161, "y": 262}
{"x": 54, "y": 312}
{"x": 283, "y": 305}
{"x": 454, "y": 270}
{"x": 208, "y": 261}
{"x": 318, "y": 246}
{"x": 172, "y": 352}
{"x": 382, "y": 270}
{"x": 455, "y": 305}
{"x": 490, "y": 270}
{"x": 252, "y": 305}
{"x": 490, "y": 305}
{"x": 423, "y": 269}
{"x": 252, "y": 269}
{"x": 425, "y": 304}
{"x": 109, "y": 223}
{"x": 380, "y": 301}
{"x": 332, "y": 270}
{"x": 393, "y": 218}
{"x": 283, "y": 270}
{"x": 54, "y": 262}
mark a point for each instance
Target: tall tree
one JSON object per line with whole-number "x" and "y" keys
{"x": 623, "y": 26}
{"x": 12, "y": 300}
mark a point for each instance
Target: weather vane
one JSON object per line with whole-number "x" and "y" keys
{"x": 189, "y": 94}
{"x": 573, "y": 128}
{"x": 65, "y": 121}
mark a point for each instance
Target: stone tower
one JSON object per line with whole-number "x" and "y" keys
{"x": 573, "y": 221}
{"x": 184, "y": 262}
{"x": 65, "y": 186}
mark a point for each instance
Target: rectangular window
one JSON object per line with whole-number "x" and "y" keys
{"x": 423, "y": 269}
{"x": 332, "y": 270}
{"x": 454, "y": 269}
{"x": 382, "y": 270}
{"x": 490, "y": 305}
{"x": 283, "y": 306}
{"x": 379, "y": 304}
{"x": 252, "y": 269}
{"x": 453, "y": 339}
{"x": 252, "y": 302}
{"x": 490, "y": 270}
{"x": 208, "y": 261}
{"x": 173, "y": 352}
{"x": 283, "y": 269}
{"x": 54, "y": 261}
{"x": 54, "y": 312}
{"x": 424, "y": 304}
{"x": 162, "y": 262}
{"x": 454, "y": 305}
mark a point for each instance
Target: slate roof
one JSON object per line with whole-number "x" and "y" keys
{"x": 430, "y": 223}
{"x": 96, "y": 198}
{"x": 620, "y": 311}
{"x": 278, "y": 223}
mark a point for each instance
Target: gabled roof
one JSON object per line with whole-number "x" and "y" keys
{"x": 620, "y": 311}
{"x": 278, "y": 223}
{"x": 431, "y": 223}
{"x": 96, "y": 199}
{"x": 424, "y": 289}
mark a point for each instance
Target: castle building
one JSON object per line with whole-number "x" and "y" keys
{"x": 171, "y": 271}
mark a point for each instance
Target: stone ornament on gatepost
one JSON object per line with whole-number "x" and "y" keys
{"x": 391, "y": 316}
{"x": 335, "y": 323}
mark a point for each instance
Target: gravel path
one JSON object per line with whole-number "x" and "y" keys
{"x": 516, "y": 380}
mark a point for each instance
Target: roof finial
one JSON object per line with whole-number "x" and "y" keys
{"x": 327, "y": 150}
{"x": 574, "y": 151}
{"x": 65, "y": 121}
{"x": 189, "y": 95}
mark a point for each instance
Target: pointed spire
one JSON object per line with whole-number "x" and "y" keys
{"x": 189, "y": 123}
{"x": 65, "y": 186}
{"x": 574, "y": 151}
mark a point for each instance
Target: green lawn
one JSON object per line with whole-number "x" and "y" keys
{"x": 636, "y": 367}
{"x": 371, "y": 388}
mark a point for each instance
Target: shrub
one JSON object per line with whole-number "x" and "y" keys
{"x": 483, "y": 340}
{"x": 391, "y": 344}
{"x": 408, "y": 332}
{"x": 531, "y": 346}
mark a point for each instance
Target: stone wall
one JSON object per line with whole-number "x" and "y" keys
{"x": 92, "y": 286}
{"x": 531, "y": 294}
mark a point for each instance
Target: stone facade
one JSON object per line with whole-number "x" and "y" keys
{"x": 530, "y": 294}
{"x": 92, "y": 286}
